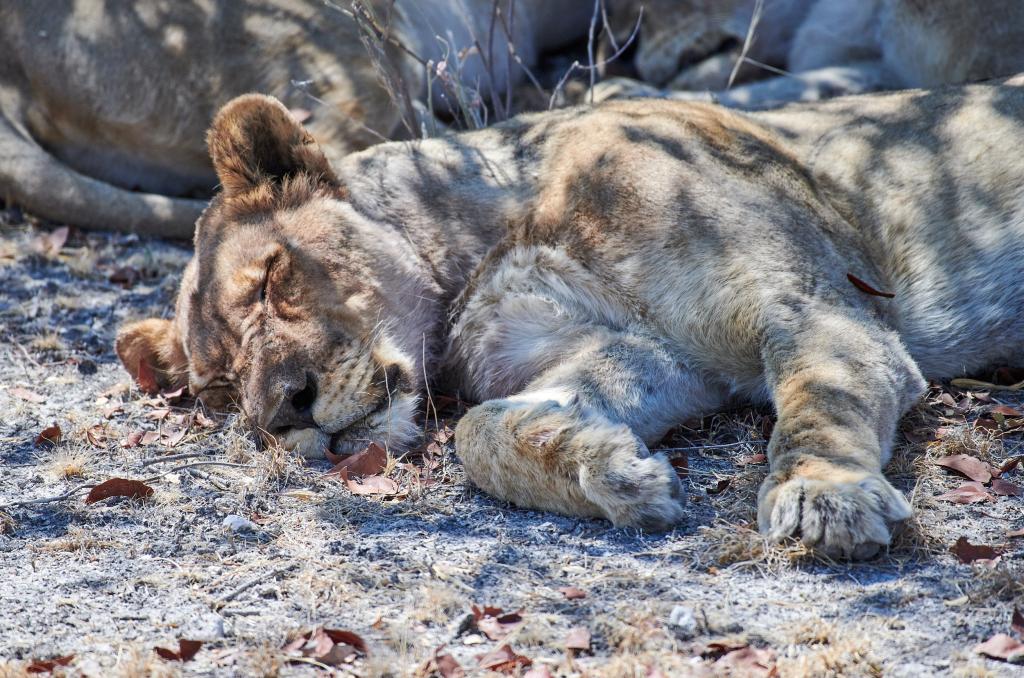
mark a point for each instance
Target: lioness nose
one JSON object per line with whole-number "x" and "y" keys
{"x": 296, "y": 408}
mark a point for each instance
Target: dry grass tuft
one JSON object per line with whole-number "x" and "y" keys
{"x": 49, "y": 342}
{"x": 139, "y": 662}
{"x": 76, "y": 539}
{"x": 7, "y": 523}
{"x": 632, "y": 630}
{"x": 436, "y": 603}
{"x": 69, "y": 463}
{"x": 735, "y": 545}
{"x": 819, "y": 649}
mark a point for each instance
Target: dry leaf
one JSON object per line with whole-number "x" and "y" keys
{"x": 328, "y": 646}
{"x": 1005, "y": 488}
{"x": 681, "y": 463}
{"x": 494, "y": 623}
{"x": 1006, "y": 411}
{"x": 369, "y": 462}
{"x": 119, "y": 487}
{"x": 572, "y": 593}
{"x": 48, "y": 665}
{"x": 443, "y": 665}
{"x": 542, "y": 672}
{"x": 1002, "y": 646}
{"x": 967, "y": 466}
{"x": 27, "y": 395}
{"x": 1009, "y": 464}
{"x": 758, "y": 458}
{"x": 721, "y": 486}
{"x": 750, "y": 662}
{"x": 503, "y": 660}
{"x": 578, "y": 639}
{"x": 866, "y": 288}
{"x": 967, "y": 552}
{"x": 125, "y": 276}
{"x": 97, "y": 436}
{"x": 187, "y": 649}
{"x": 133, "y": 439}
{"x": 50, "y": 244}
{"x": 1017, "y": 622}
{"x": 371, "y": 485}
{"x": 49, "y": 436}
{"x": 968, "y": 493}
{"x": 1015, "y": 533}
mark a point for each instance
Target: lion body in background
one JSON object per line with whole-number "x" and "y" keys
{"x": 595, "y": 276}
{"x": 104, "y": 105}
{"x": 828, "y": 47}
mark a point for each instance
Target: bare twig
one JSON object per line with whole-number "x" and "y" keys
{"x": 576, "y": 65}
{"x": 755, "y": 19}
{"x": 173, "y": 457}
{"x": 722, "y": 446}
{"x": 245, "y": 586}
{"x": 75, "y": 490}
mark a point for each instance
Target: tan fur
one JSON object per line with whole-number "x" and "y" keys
{"x": 827, "y": 47}
{"x": 595, "y": 277}
{"x": 104, "y": 103}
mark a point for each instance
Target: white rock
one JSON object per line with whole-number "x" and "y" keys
{"x": 683, "y": 622}
{"x": 239, "y": 524}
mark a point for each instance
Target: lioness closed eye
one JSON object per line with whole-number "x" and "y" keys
{"x": 594, "y": 277}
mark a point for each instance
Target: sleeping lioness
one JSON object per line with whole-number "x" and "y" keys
{"x": 104, "y": 103}
{"x": 595, "y": 276}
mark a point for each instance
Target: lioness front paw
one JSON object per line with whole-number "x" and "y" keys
{"x": 838, "y": 512}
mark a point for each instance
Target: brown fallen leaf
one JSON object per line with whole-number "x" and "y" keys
{"x": 1012, "y": 534}
{"x": 720, "y": 647}
{"x": 125, "y": 276}
{"x": 721, "y": 486}
{"x": 174, "y": 436}
{"x": 119, "y": 487}
{"x": 968, "y": 493}
{"x": 1017, "y": 622}
{"x": 133, "y": 439}
{"x": 503, "y": 660}
{"x": 149, "y": 437}
{"x": 328, "y": 646}
{"x": 97, "y": 436}
{"x": 50, "y": 244}
{"x": 681, "y": 463}
{"x": 578, "y": 639}
{"x": 1002, "y": 646}
{"x": 49, "y": 436}
{"x": 1006, "y": 411}
{"x": 750, "y": 662}
{"x": 572, "y": 593}
{"x": 966, "y": 552}
{"x": 967, "y": 466}
{"x": 27, "y": 395}
{"x": 369, "y": 462}
{"x": 187, "y": 649}
{"x": 494, "y": 623}
{"x": 866, "y": 288}
{"x": 48, "y": 665}
{"x": 544, "y": 672}
{"x": 1010, "y": 464}
{"x": 1004, "y": 488}
{"x": 371, "y": 485}
{"x": 442, "y": 664}
{"x": 758, "y": 458}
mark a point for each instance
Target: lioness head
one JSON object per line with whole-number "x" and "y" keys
{"x": 294, "y": 306}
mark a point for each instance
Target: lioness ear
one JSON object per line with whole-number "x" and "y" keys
{"x": 151, "y": 351}
{"x": 254, "y": 139}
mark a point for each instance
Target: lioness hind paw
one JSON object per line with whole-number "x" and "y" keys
{"x": 849, "y": 518}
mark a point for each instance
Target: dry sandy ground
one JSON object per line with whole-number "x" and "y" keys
{"x": 109, "y": 581}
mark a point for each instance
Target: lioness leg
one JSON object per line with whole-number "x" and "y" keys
{"x": 840, "y": 382}
{"x": 573, "y": 441}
